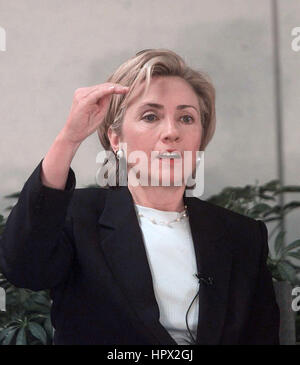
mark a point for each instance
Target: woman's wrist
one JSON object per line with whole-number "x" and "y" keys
{"x": 63, "y": 139}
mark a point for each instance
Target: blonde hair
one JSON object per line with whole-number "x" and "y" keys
{"x": 150, "y": 63}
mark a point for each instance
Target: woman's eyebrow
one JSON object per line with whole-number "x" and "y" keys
{"x": 159, "y": 106}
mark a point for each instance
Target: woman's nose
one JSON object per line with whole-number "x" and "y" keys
{"x": 170, "y": 130}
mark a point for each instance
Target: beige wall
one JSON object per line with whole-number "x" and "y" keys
{"x": 54, "y": 47}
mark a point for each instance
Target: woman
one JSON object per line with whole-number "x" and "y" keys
{"x": 142, "y": 263}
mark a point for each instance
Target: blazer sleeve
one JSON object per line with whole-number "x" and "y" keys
{"x": 36, "y": 246}
{"x": 263, "y": 323}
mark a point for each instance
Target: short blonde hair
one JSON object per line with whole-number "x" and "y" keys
{"x": 157, "y": 62}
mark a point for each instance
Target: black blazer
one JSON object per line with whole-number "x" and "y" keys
{"x": 86, "y": 246}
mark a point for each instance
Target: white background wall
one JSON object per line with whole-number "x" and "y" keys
{"x": 54, "y": 47}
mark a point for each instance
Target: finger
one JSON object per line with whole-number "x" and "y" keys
{"x": 86, "y": 91}
{"x": 97, "y": 94}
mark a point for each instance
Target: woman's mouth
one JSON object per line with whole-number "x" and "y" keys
{"x": 169, "y": 155}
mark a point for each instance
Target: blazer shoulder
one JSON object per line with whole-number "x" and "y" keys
{"x": 90, "y": 193}
{"x": 229, "y": 215}
{"x": 242, "y": 230}
{"x": 84, "y": 199}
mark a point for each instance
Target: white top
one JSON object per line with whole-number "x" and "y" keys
{"x": 172, "y": 261}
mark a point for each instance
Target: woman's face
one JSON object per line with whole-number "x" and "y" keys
{"x": 166, "y": 118}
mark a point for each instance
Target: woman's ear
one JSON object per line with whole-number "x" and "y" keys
{"x": 114, "y": 139}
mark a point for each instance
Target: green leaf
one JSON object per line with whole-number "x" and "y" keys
{"x": 32, "y": 307}
{"x": 289, "y": 189}
{"x": 271, "y": 219}
{"x": 41, "y": 300}
{"x": 7, "y": 340}
{"x": 295, "y": 254}
{"x": 38, "y": 332}
{"x": 48, "y": 327}
{"x": 37, "y": 317}
{"x": 266, "y": 197}
{"x": 291, "y": 205}
{"x": 261, "y": 207}
{"x": 13, "y": 195}
{"x": 21, "y": 337}
{"x": 286, "y": 271}
{"x": 291, "y": 246}
{"x": 278, "y": 245}
{"x": 271, "y": 185}
{"x": 276, "y": 209}
{"x": 4, "y": 332}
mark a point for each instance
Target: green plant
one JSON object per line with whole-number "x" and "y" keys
{"x": 2, "y": 223}
{"x": 27, "y": 316}
{"x": 280, "y": 264}
{"x": 261, "y": 202}
{"x": 26, "y": 320}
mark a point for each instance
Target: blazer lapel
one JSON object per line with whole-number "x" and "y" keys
{"x": 123, "y": 247}
{"x": 214, "y": 259}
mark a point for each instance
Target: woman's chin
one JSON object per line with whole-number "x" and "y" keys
{"x": 165, "y": 181}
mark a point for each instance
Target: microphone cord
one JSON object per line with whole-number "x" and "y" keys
{"x": 208, "y": 281}
{"x": 186, "y": 319}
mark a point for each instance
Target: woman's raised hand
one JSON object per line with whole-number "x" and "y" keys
{"x": 89, "y": 107}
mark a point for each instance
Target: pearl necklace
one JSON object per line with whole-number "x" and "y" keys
{"x": 164, "y": 223}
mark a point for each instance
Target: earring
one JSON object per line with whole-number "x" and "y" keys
{"x": 120, "y": 154}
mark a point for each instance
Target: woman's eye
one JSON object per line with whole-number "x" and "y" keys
{"x": 149, "y": 118}
{"x": 188, "y": 120}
